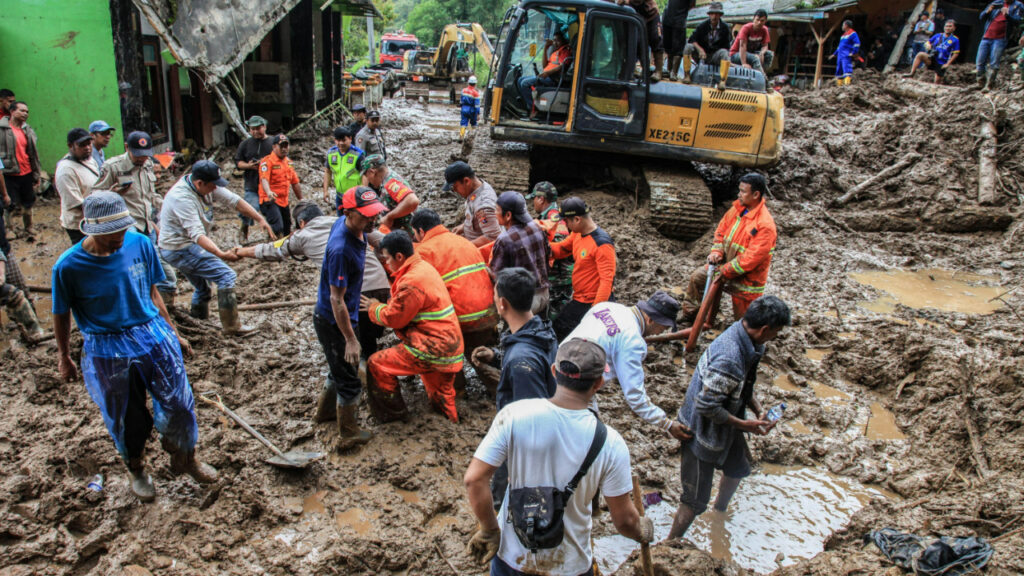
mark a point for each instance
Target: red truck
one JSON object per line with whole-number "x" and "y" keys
{"x": 394, "y": 45}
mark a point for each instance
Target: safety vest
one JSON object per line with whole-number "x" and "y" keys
{"x": 465, "y": 276}
{"x": 344, "y": 168}
{"x": 746, "y": 240}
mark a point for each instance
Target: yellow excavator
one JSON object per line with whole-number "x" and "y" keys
{"x": 601, "y": 119}
{"x": 447, "y": 67}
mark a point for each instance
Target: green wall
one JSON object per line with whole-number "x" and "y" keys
{"x": 59, "y": 59}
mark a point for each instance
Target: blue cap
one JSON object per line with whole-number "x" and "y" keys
{"x": 104, "y": 212}
{"x": 208, "y": 171}
{"x": 100, "y": 126}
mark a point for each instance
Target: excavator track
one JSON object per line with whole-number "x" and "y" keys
{"x": 681, "y": 205}
{"x": 504, "y": 165}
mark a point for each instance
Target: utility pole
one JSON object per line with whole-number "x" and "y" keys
{"x": 370, "y": 40}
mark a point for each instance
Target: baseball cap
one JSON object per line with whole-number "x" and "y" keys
{"x": 661, "y": 308}
{"x": 578, "y": 359}
{"x": 104, "y": 212}
{"x": 278, "y": 139}
{"x": 454, "y": 172}
{"x": 513, "y": 202}
{"x": 372, "y": 114}
{"x": 78, "y": 135}
{"x": 100, "y": 126}
{"x": 547, "y": 189}
{"x": 371, "y": 161}
{"x": 256, "y": 121}
{"x": 363, "y": 199}
{"x": 359, "y": 108}
{"x": 208, "y": 171}
{"x": 140, "y": 144}
{"x": 342, "y": 132}
{"x": 574, "y": 207}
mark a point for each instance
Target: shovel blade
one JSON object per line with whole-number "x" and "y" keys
{"x": 294, "y": 459}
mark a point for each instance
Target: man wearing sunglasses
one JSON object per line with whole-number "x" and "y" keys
{"x": 277, "y": 176}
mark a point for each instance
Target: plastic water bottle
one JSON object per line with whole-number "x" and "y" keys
{"x": 775, "y": 413}
{"x": 96, "y": 484}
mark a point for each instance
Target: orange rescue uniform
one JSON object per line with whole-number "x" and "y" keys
{"x": 280, "y": 174}
{"x": 464, "y": 273}
{"x": 423, "y": 317}
{"x": 593, "y": 273}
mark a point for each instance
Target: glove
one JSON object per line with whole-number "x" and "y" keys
{"x": 484, "y": 545}
{"x": 646, "y": 530}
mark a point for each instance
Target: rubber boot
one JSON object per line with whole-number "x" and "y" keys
{"x": 980, "y": 77}
{"x": 673, "y": 68}
{"x": 349, "y": 433}
{"x": 326, "y": 405}
{"x": 200, "y": 311}
{"x": 25, "y": 316}
{"x": 243, "y": 233}
{"x": 183, "y": 462}
{"x": 848, "y": 80}
{"x": 659, "y": 63}
{"x": 142, "y": 483}
{"x": 227, "y": 307}
{"x": 26, "y": 219}
{"x": 990, "y": 80}
{"x": 385, "y": 407}
{"x": 687, "y": 63}
{"x": 462, "y": 132}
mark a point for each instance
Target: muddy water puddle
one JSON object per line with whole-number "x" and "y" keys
{"x": 938, "y": 289}
{"x": 787, "y": 509}
{"x": 817, "y": 354}
{"x": 882, "y": 425}
{"x": 825, "y": 392}
{"x": 357, "y": 520}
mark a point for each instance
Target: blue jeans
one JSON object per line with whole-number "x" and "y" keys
{"x": 989, "y": 52}
{"x": 252, "y": 198}
{"x": 170, "y": 283}
{"x": 527, "y": 82}
{"x": 201, "y": 268}
{"x": 915, "y": 49}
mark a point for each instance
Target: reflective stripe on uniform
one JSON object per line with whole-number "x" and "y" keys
{"x": 460, "y": 272}
{"x": 463, "y": 318}
{"x": 435, "y": 315}
{"x": 736, "y": 267}
{"x": 420, "y": 355}
{"x": 749, "y": 289}
{"x": 376, "y": 313}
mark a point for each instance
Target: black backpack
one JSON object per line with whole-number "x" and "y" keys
{"x": 536, "y": 512}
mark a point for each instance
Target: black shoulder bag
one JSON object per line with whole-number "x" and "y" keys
{"x": 536, "y": 512}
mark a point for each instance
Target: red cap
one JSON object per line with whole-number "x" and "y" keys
{"x": 363, "y": 199}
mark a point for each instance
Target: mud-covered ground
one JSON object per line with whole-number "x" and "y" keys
{"x": 398, "y": 506}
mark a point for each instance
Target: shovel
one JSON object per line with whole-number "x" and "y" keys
{"x": 293, "y": 459}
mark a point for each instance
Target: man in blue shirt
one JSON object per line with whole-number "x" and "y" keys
{"x": 129, "y": 346}
{"x": 943, "y": 50}
{"x": 849, "y": 46}
{"x": 336, "y": 315}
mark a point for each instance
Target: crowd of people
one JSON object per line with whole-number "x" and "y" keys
{"x": 527, "y": 300}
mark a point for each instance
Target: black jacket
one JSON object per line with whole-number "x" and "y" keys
{"x": 702, "y": 36}
{"x": 526, "y": 363}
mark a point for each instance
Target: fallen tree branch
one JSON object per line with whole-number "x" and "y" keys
{"x": 967, "y": 413}
{"x": 908, "y": 160}
{"x": 988, "y": 173}
{"x": 275, "y": 305}
{"x": 445, "y": 558}
{"x": 40, "y": 289}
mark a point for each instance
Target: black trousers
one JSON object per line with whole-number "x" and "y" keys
{"x": 21, "y": 189}
{"x": 138, "y": 422}
{"x": 279, "y": 217}
{"x": 569, "y": 318}
{"x": 343, "y": 377}
{"x": 369, "y": 333}
{"x": 75, "y": 236}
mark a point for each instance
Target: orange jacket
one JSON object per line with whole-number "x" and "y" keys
{"x": 594, "y": 271}
{"x": 422, "y": 315}
{"x": 464, "y": 272}
{"x": 747, "y": 242}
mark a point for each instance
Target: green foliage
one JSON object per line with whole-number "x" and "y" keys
{"x": 481, "y": 69}
{"x": 427, "y": 18}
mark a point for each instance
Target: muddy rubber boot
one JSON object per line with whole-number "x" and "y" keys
{"x": 26, "y": 219}
{"x": 349, "y": 433}
{"x": 141, "y": 483}
{"x": 243, "y": 234}
{"x": 199, "y": 471}
{"x": 673, "y": 67}
{"x": 200, "y": 311}
{"x": 990, "y": 80}
{"x": 25, "y": 316}
{"x": 659, "y": 63}
{"x": 227, "y": 307}
{"x": 979, "y": 76}
{"x": 385, "y": 407}
{"x": 326, "y": 405}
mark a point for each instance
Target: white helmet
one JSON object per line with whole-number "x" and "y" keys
{"x": 472, "y": 79}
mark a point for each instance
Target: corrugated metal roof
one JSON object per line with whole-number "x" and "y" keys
{"x": 737, "y": 11}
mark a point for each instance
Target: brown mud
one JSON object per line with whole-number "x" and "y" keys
{"x": 881, "y": 403}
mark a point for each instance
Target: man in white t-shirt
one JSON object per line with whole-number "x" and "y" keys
{"x": 545, "y": 442}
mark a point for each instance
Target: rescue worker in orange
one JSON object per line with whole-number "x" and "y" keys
{"x": 465, "y": 275}
{"x": 742, "y": 251}
{"x": 422, "y": 316}
{"x": 393, "y": 191}
{"x": 593, "y": 272}
{"x": 555, "y": 54}
{"x": 276, "y": 176}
